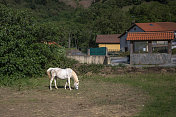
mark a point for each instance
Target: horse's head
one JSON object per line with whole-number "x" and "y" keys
{"x": 76, "y": 84}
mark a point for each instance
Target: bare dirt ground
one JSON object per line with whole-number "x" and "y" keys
{"x": 93, "y": 99}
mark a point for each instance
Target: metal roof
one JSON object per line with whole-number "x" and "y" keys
{"x": 157, "y": 26}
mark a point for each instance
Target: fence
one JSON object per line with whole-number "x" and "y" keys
{"x": 97, "y": 51}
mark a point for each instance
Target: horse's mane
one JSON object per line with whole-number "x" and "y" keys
{"x": 75, "y": 77}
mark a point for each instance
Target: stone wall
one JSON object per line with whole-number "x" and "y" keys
{"x": 150, "y": 59}
{"x": 90, "y": 59}
{"x": 173, "y": 59}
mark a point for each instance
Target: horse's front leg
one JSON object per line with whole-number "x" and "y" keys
{"x": 55, "y": 83}
{"x": 69, "y": 83}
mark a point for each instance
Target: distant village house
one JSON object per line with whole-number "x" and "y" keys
{"x": 159, "y": 33}
{"x": 141, "y": 39}
{"x": 111, "y": 42}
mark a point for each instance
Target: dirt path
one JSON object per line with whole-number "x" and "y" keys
{"x": 91, "y": 100}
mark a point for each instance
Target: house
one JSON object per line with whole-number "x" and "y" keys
{"x": 141, "y": 31}
{"x": 146, "y": 37}
{"x": 111, "y": 42}
{"x": 149, "y": 37}
{"x": 149, "y": 57}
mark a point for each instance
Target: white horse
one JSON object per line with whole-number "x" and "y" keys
{"x": 67, "y": 73}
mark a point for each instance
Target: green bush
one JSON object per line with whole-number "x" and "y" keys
{"x": 94, "y": 68}
{"x": 23, "y": 50}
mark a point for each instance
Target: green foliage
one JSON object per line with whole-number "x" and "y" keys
{"x": 102, "y": 17}
{"x": 23, "y": 50}
{"x": 94, "y": 68}
{"x": 99, "y": 19}
{"x": 153, "y": 12}
{"x": 105, "y": 19}
{"x": 122, "y": 3}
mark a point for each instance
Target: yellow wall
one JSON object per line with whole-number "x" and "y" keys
{"x": 111, "y": 47}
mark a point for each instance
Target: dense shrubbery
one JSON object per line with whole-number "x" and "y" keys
{"x": 154, "y": 12}
{"x": 23, "y": 50}
{"x": 94, "y": 68}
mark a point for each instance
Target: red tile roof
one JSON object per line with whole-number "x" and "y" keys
{"x": 157, "y": 26}
{"x": 113, "y": 38}
{"x": 145, "y": 36}
{"x": 154, "y": 27}
{"x": 53, "y": 43}
{"x": 50, "y": 43}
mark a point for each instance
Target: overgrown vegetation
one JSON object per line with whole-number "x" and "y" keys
{"x": 26, "y": 26}
{"x": 23, "y": 50}
{"x": 102, "y": 17}
{"x": 93, "y": 68}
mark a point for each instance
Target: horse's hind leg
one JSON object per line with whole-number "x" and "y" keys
{"x": 55, "y": 83}
{"x": 51, "y": 82}
{"x": 66, "y": 84}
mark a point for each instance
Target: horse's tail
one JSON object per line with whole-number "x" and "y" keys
{"x": 49, "y": 72}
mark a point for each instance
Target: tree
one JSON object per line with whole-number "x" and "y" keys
{"x": 154, "y": 12}
{"x": 23, "y": 50}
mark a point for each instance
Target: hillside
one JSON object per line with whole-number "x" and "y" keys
{"x": 82, "y": 20}
{"x": 74, "y": 4}
{"x": 68, "y": 3}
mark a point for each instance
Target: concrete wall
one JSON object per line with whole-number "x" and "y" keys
{"x": 150, "y": 59}
{"x": 118, "y": 60}
{"x": 90, "y": 59}
{"x": 173, "y": 59}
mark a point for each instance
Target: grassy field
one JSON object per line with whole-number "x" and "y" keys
{"x": 155, "y": 92}
{"x": 160, "y": 87}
